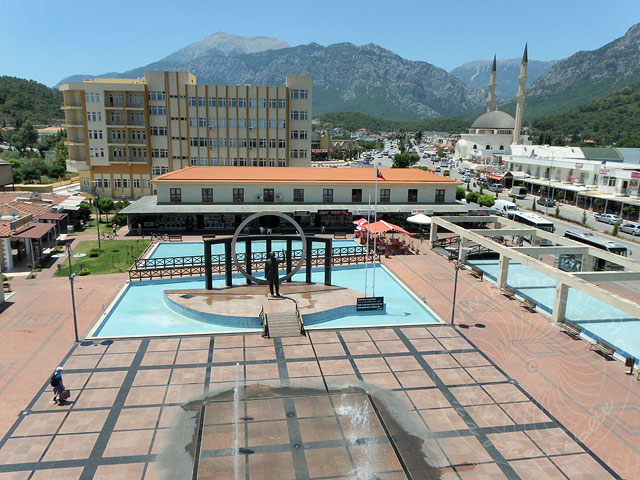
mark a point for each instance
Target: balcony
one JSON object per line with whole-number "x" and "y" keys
{"x": 74, "y": 143}
{"x": 72, "y": 125}
{"x": 65, "y": 106}
{"x": 137, "y": 141}
{"x": 135, "y": 124}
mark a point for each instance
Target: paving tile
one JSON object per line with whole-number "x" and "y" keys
{"x": 336, "y": 367}
{"x": 219, "y": 467}
{"x": 39, "y": 424}
{"x": 20, "y": 475}
{"x": 90, "y": 348}
{"x": 84, "y": 421}
{"x": 505, "y": 392}
{"x": 158, "y": 358}
{"x": 186, "y": 357}
{"x": 474, "y": 395}
{"x": 188, "y": 375}
{"x": 268, "y": 409}
{"x": 124, "y": 346}
{"x": 260, "y": 353}
{"x": 272, "y": 466}
{"x": 217, "y": 437}
{"x": 226, "y": 373}
{"x": 354, "y": 335}
{"x": 303, "y": 369}
{"x": 78, "y": 362}
{"x": 440, "y": 360}
{"x": 428, "y": 398}
{"x": 76, "y": 446}
{"x": 382, "y": 380}
{"x": 228, "y": 341}
{"x": 454, "y": 376}
{"x": 170, "y": 415}
{"x": 184, "y": 393}
{"x": 145, "y": 396}
{"x": 137, "y": 418}
{"x": 329, "y": 350}
{"x": 298, "y": 351}
{"x": 226, "y": 355}
{"x": 488, "y": 416}
{"x": 554, "y": 441}
{"x": 371, "y": 365}
{"x": 328, "y": 462}
{"x": 464, "y": 450}
{"x": 514, "y": 445}
{"x": 443, "y": 419}
{"x": 263, "y": 371}
{"x": 486, "y": 374}
{"x": 470, "y": 359}
{"x": 158, "y": 376}
{"x": 483, "y": 471}
{"x": 391, "y": 346}
{"x": 126, "y": 471}
{"x": 163, "y": 345}
{"x": 426, "y": 344}
{"x": 319, "y": 406}
{"x": 23, "y": 450}
{"x": 416, "y": 332}
{"x": 401, "y": 363}
{"x": 130, "y": 442}
{"x": 537, "y": 468}
{"x": 362, "y": 348}
{"x": 413, "y": 379}
{"x": 302, "y": 340}
{"x": 115, "y": 360}
{"x": 194, "y": 343}
{"x": 72, "y": 473}
{"x": 382, "y": 334}
{"x": 525, "y": 412}
{"x": 319, "y": 429}
{"x": 370, "y": 459}
{"x": 96, "y": 398}
{"x": 106, "y": 379}
{"x": 257, "y": 340}
{"x": 166, "y": 438}
{"x": 454, "y": 343}
{"x": 443, "y": 331}
{"x": 267, "y": 433}
{"x": 361, "y": 426}
{"x": 326, "y": 336}
{"x": 76, "y": 380}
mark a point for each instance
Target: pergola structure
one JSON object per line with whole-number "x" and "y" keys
{"x": 581, "y": 281}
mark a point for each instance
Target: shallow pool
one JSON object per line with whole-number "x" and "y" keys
{"x": 187, "y": 249}
{"x": 596, "y": 318}
{"x": 141, "y": 309}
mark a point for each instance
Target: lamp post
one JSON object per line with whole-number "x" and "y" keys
{"x": 95, "y": 200}
{"x": 73, "y": 298}
{"x": 455, "y": 282}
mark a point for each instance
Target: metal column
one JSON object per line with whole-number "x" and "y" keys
{"x": 207, "y": 266}
{"x": 327, "y": 262}
{"x": 247, "y": 258}
{"x": 289, "y": 246}
{"x": 227, "y": 263}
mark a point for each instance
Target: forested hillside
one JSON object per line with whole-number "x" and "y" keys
{"x": 22, "y": 100}
{"x": 352, "y": 121}
{"x": 611, "y": 121}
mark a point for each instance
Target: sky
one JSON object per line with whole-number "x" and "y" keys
{"x": 47, "y": 41}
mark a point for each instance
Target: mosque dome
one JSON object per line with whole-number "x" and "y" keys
{"x": 495, "y": 119}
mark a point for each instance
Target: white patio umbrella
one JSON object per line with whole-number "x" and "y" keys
{"x": 420, "y": 219}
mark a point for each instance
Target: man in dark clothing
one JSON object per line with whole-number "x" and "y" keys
{"x": 271, "y": 274}
{"x": 58, "y": 386}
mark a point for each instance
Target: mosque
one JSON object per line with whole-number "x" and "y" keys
{"x": 494, "y": 132}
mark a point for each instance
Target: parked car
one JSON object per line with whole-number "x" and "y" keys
{"x": 609, "y": 218}
{"x": 438, "y": 169}
{"x": 632, "y": 228}
{"x": 546, "y": 202}
{"x": 465, "y": 179}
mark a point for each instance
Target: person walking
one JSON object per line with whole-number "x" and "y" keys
{"x": 58, "y": 385}
{"x": 115, "y": 228}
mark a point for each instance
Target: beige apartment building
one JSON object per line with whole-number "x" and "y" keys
{"x": 122, "y": 133}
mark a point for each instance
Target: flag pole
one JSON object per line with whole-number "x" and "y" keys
{"x": 375, "y": 234}
{"x": 366, "y": 259}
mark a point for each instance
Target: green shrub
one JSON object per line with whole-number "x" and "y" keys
{"x": 557, "y": 212}
{"x": 533, "y": 204}
{"x": 83, "y": 271}
{"x": 30, "y": 276}
{"x": 486, "y": 200}
{"x": 95, "y": 252}
{"x": 120, "y": 219}
{"x": 614, "y": 232}
{"x": 472, "y": 197}
{"x": 460, "y": 193}
{"x": 584, "y": 218}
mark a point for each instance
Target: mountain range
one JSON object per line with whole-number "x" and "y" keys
{"x": 477, "y": 74}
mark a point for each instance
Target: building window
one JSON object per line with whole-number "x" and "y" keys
{"x": 192, "y": 101}
{"x": 385, "y": 195}
{"x": 282, "y": 103}
{"x": 294, "y": 93}
{"x": 232, "y": 102}
{"x": 356, "y": 195}
{"x": 201, "y": 101}
{"x": 262, "y": 103}
{"x": 412, "y": 196}
{"x": 207, "y": 195}
{"x": 298, "y": 195}
{"x": 273, "y": 103}
{"x": 268, "y": 195}
{"x": 242, "y": 102}
{"x": 282, "y": 143}
{"x": 136, "y": 183}
{"x": 125, "y": 183}
{"x": 501, "y": 147}
{"x": 304, "y": 94}
{"x": 488, "y": 147}
{"x": 175, "y": 195}
{"x": 238, "y": 195}
{"x": 272, "y": 143}
{"x": 252, "y": 103}
{"x": 221, "y": 101}
{"x": 145, "y": 183}
{"x": 439, "y": 195}
{"x": 327, "y": 195}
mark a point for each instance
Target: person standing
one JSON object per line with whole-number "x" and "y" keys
{"x": 57, "y": 384}
{"x": 271, "y": 274}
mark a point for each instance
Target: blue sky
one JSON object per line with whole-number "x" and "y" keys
{"x": 47, "y": 41}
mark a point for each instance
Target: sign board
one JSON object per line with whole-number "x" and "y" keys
{"x": 301, "y": 213}
{"x": 424, "y": 212}
{"x": 333, "y": 212}
{"x": 603, "y": 171}
{"x": 369, "y": 304}
{"x": 319, "y": 150}
{"x": 363, "y": 213}
{"x": 578, "y": 165}
{"x": 37, "y": 196}
{"x": 635, "y": 174}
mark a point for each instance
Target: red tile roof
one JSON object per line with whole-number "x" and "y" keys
{"x": 303, "y": 175}
{"x": 33, "y": 230}
{"x": 10, "y": 201}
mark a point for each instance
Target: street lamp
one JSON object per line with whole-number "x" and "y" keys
{"x": 73, "y": 298}
{"x": 95, "y": 201}
{"x": 456, "y": 263}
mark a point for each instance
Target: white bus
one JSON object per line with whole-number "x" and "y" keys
{"x": 533, "y": 220}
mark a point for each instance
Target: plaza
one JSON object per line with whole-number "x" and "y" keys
{"x": 502, "y": 393}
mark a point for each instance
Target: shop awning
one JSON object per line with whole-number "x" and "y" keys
{"x": 34, "y": 231}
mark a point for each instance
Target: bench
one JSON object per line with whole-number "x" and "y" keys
{"x": 528, "y": 304}
{"x": 508, "y": 292}
{"x": 571, "y": 329}
{"x": 340, "y": 235}
{"x": 175, "y": 238}
{"x": 210, "y": 236}
{"x": 604, "y": 348}
{"x": 476, "y": 272}
{"x": 6, "y": 286}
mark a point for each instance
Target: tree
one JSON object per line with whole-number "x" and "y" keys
{"x": 472, "y": 197}
{"x": 614, "y": 232}
{"x": 440, "y": 153}
{"x": 84, "y": 210}
{"x": 29, "y": 173}
{"x": 418, "y": 136}
{"x": 405, "y": 160}
{"x": 25, "y": 137}
{"x": 60, "y": 153}
{"x": 55, "y": 171}
{"x": 460, "y": 193}
{"x": 105, "y": 205}
{"x": 486, "y": 200}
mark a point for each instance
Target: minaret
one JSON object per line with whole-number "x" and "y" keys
{"x": 522, "y": 79}
{"x": 492, "y": 87}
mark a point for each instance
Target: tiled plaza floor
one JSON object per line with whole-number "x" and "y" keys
{"x": 433, "y": 406}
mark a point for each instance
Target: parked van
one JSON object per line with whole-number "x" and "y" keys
{"x": 518, "y": 192}
{"x": 505, "y": 208}
{"x": 496, "y": 187}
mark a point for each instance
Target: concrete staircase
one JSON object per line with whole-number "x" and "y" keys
{"x": 282, "y": 324}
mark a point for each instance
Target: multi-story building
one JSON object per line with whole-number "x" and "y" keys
{"x": 124, "y": 132}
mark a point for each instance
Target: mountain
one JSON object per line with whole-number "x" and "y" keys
{"x": 22, "y": 99}
{"x": 584, "y": 76}
{"x": 225, "y": 45}
{"x": 612, "y": 120}
{"x": 476, "y": 74}
{"x": 367, "y": 79}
